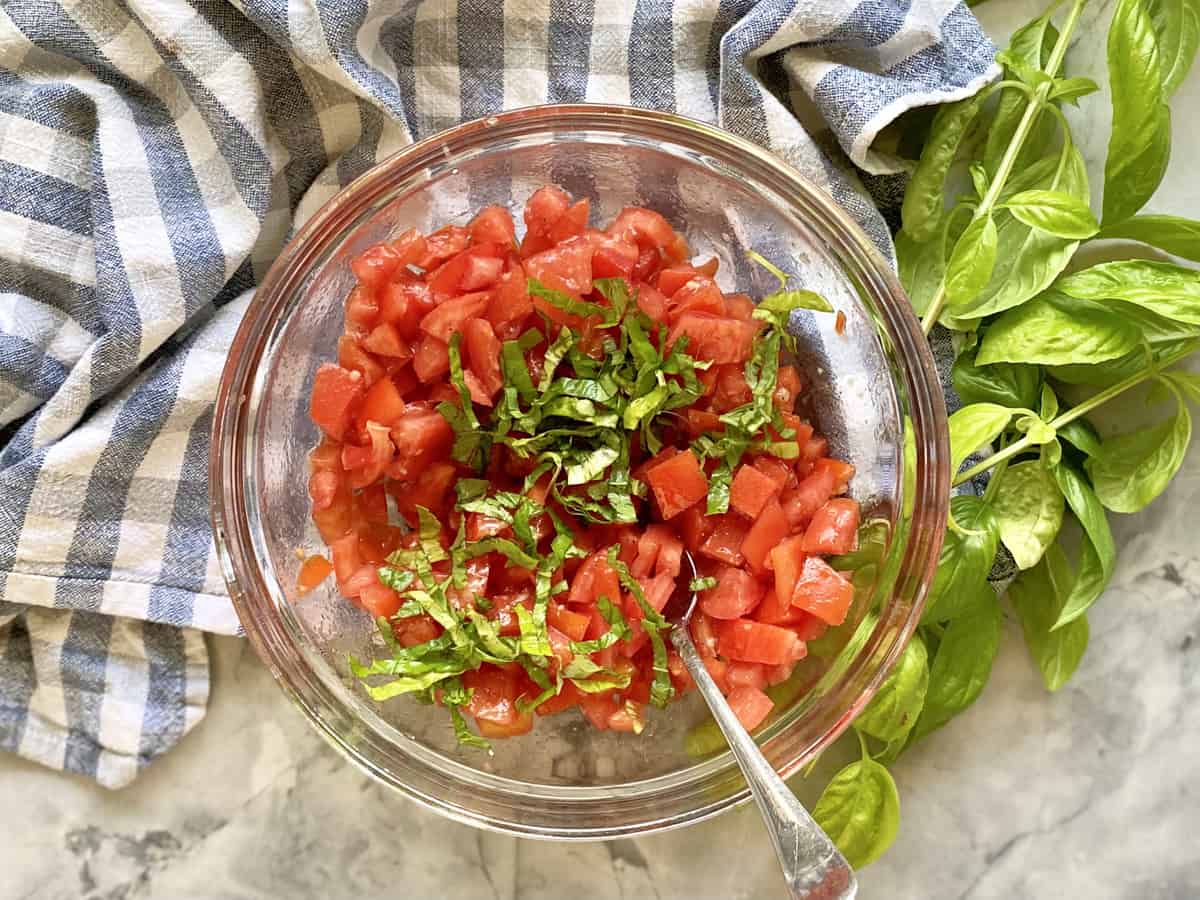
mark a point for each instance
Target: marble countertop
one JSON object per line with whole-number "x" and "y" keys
{"x": 1091, "y": 792}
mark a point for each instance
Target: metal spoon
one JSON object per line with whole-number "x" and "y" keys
{"x": 812, "y": 866}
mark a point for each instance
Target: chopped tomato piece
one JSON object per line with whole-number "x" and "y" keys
{"x": 787, "y": 559}
{"x": 565, "y": 267}
{"x": 699, "y": 294}
{"x": 382, "y": 403}
{"x": 335, "y": 393}
{"x": 313, "y": 571}
{"x": 765, "y": 533}
{"x": 677, "y": 483}
{"x": 743, "y": 674}
{"x": 432, "y": 358}
{"x": 724, "y": 542}
{"x": 493, "y": 225}
{"x": 750, "y": 491}
{"x": 748, "y": 641}
{"x": 822, "y": 591}
{"x": 842, "y": 472}
{"x": 834, "y": 528}
{"x": 802, "y": 502}
{"x": 483, "y": 352}
{"x": 737, "y": 593}
{"x": 750, "y": 705}
{"x": 450, "y": 315}
{"x": 420, "y": 437}
{"x": 714, "y": 338}
{"x": 574, "y": 625}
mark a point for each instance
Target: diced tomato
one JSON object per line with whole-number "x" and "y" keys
{"x": 751, "y": 490}
{"x": 494, "y": 225}
{"x": 335, "y": 393}
{"x": 724, "y": 542}
{"x": 787, "y": 388}
{"x": 564, "y": 267}
{"x": 842, "y": 472}
{"x": 731, "y": 389}
{"x": 481, "y": 272}
{"x": 379, "y": 600}
{"x": 701, "y": 421}
{"x": 323, "y": 486}
{"x": 744, "y": 674}
{"x": 750, "y": 705}
{"x": 443, "y": 244}
{"x": 775, "y": 469}
{"x": 677, "y": 483}
{"x": 673, "y": 278}
{"x": 630, "y": 717}
{"x": 595, "y": 579}
{"x": 382, "y": 403}
{"x": 346, "y": 558}
{"x": 740, "y": 307}
{"x": 430, "y": 489}
{"x": 385, "y": 340}
{"x": 652, "y": 303}
{"x": 780, "y": 673}
{"x": 748, "y": 641}
{"x": 362, "y": 309}
{"x": 822, "y": 591}
{"x": 598, "y": 708}
{"x": 834, "y": 528}
{"x": 509, "y": 299}
{"x": 562, "y": 701}
{"x": 313, "y": 571}
{"x": 704, "y": 633}
{"x": 483, "y": 353}
{"x": 493, "y": 694}
{"x": 573, "y": 624}
{"x": 404, "y": 304}
{"x": 699, "y": 294}
{"x": 736, "y": 594}
{"x": 522, "y": 723}
{"x": 774, "y": 611}
{"x": 800, "y": 503}
{"x": 572, "y": 222}
{"x": 432, "y": 358}
{"x": 713, "y": 338}
{"x": 808, "y": 627}
{"x": 643, "y": 227}
{"x": 352, "y": 356}
{"x": 787, "y": 559}
{"x": 614, "y": 258}
{"x": 448, "y": 317}
{"x": 416, "y": 630}
{"x": 420, "y": 436}
{"x": 694, "y": 526}
{"x": 718, "y": 669}
{"x": 544, "y": 207}
{"x": 377, "y": 264}
{"x": 659, "y": 550}
{"x": 765, "y": 533}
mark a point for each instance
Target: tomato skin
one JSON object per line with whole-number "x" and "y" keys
{"x": 787, "y": 559}
{"x": 643, "y": 227}
{"x": 672, "y": 278}
{"x": 677, "y": 483}
{"x": 751, "y": 489}
{"x": 802, "y": 502}
{"x": 573, "y": 624}
{"x": 572, "y": 222}
{"x": 750, "y": 705}
{"x": 834, "y": 528}
{"x": 698, "y": 294}
{"x": 823, "y": 592}
{"x": 841, "y": 472}
{"x": 544, "y": 207}
{"x": 336, "y": 392}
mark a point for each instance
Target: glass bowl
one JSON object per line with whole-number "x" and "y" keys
{"x": 873, "y": 392}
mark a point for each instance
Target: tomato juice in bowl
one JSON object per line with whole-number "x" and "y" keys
{"x": 874, "y": 396}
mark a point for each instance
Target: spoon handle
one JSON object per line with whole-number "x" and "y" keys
{"x": 812, "y": 866}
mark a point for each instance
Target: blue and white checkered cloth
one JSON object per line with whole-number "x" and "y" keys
{"x": 154, "y": 158}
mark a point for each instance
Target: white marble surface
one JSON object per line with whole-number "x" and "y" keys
{"x": 1089, "y": 793}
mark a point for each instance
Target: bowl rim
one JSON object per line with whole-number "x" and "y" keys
{"x": 235, "y": 546}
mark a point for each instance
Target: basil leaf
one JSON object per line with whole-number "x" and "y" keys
{"x": 1055, "y": 212}
{"x": 860, "y": 811}
{"x": 1132, "y": 469}
{"x": 1140, "y": 144}
{"x": 398, "y": 580}
{"x": 961, "y": 666}
{"x": 1081, "y": 435}
{"x": 1164, "y": 288}
{"x": 1003, "y": 383}
{"x": 1177, "y": 28}
{"x": 966, "y": 558}
{"x": 1032, "y": 44}
{"x": 777, "y": 308}
{"x": 661, "y": 689}
{"x": 924, "y": 197}
{"x": 759, "y": 260}
{"x": 922, "y": 267}
{"x": 409, "y": 683}
{"x": 1068, "y": 90}
{"x": 567, "y": 303}
{"x": 1037, "y": 597}
{"x": 463, "y": 734}
{"x": 702, "y": 584}
{"x": 1028, "y": 259}
{"x": 1098, "y": 555}
{"x": 1053, "y": 330}
{"x": 971, "y": 261}
{"x": 1175, "y": 235}
{"x": 973, "y": 428}
{"x": 895, "y": 707}
{"x": 1157, "y": 334}
{"x": 1029, "y": 510}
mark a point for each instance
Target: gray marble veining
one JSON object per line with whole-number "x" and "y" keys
{"x": 1090, "y": 793}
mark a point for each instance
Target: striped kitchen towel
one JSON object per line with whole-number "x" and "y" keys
{"x": 155, "y": 155}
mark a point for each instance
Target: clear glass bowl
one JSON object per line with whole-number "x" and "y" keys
{"x": 875, "y": 396}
